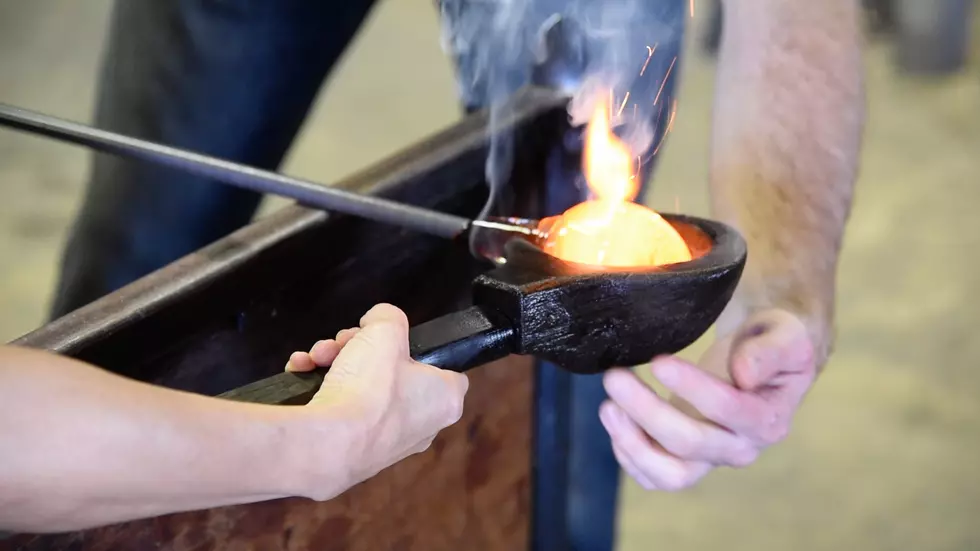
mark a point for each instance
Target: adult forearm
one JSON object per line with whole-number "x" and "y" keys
{"x": 81, "y": 447}
{"x": 788, "y": 120}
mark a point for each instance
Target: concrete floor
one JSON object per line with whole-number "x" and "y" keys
{"x": 882, "y": 456}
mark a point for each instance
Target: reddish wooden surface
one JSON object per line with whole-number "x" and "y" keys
{"x": 470, "y": 491}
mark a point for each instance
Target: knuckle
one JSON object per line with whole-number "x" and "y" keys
{"x": 424, "y": 445}
{"x": 643, "y": 481}
{"x": 673, "y": 480}
{"x": 683, "y": 475}
{"x": 683, "y": 444}
{"x": 393, "y": 314}
{"x": 725, "y": 404}
{"x": 716, "y": 402}
{"x": 455, "y": 399}
{"x": 667, "y": 475}
{"x": 647, "y": 485}
{"x": 744, "y": 457}
{"x": 455, "y": 412}
{"x": 775, "y": 432}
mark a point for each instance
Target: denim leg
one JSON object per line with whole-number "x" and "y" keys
{"x": 233, "y": 79}
{"x": 593, "y": 485}
{"x": 593, "y": 472}
{"x": 592, "y": 488}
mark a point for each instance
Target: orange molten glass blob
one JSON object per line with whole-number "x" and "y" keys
{"x": 612, "y": 230}
{"x": 621, "y": 234}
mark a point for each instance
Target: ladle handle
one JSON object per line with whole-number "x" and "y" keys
{"x": 457, "y": 342}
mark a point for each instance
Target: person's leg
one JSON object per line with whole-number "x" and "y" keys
{"x": 593, "y": 474}
{"x": 229, "y": 79}
{"x": 593, "y": 486}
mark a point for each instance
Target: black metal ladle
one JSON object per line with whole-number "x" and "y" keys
{"x": 581, "y": 318}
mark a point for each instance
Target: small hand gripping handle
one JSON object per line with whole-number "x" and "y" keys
{"x": 457, "y": 342}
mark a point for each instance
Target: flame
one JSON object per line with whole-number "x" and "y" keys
{"x": 610, "y": 229}
{"x": 607, "y": 162}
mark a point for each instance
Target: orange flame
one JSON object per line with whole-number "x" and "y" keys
{"x": 612, "y": 230}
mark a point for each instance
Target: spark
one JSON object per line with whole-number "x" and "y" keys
{"x": 670, "y": 126}
{"x": 673, "y": 113}
{"x": 635, "y": 115}
{"x": 623, "y": 105}
{"x": 649, "y": 56}
{"x": 664, "y": 83}
{"x": 654, "y": 152}
{"x": 692, "y": 7}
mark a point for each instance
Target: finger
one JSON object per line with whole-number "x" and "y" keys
{"x": 325, "y": 352}
{"x": 770, "y": 344}
{"x": 384, "y": 313}
{"x": 373, "y": 352}
{"x": 719, "y": 402}
{"x": 653, "y": 464}
{"x": 630, "y": 468}
{"x": 682, "y": 436}
{"x": 345, "y": 335}
{"x": 300, "y": 362}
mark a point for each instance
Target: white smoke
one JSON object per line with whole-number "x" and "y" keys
{"x": 500, "y": 46}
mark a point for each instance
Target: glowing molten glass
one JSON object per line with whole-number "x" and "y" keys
{"x": 612, "y": 230}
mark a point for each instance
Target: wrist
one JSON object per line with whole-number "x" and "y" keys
{"x": 318, "y": 460}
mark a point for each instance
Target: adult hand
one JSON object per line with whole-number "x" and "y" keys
{"x": 394, "y": 405}
{"x": 724, "y": 413}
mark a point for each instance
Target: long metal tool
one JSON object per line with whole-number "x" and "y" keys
{"x": 303, "y": 191}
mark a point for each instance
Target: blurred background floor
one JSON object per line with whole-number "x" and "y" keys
{"x": 883, "y": 454}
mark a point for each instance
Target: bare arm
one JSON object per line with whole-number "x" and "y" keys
{"x": 81, "y": 447}
{"x": 789, "y": 113}
{"x": 788, "y": 121}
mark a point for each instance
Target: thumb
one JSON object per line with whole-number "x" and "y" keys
{"x": 769, "y": 344}
{"x": 371, "y": 356}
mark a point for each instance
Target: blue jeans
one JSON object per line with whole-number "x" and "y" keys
{"x": 235, "y": 79}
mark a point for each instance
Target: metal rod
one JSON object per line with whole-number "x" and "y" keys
{"x": 303, "y": 191}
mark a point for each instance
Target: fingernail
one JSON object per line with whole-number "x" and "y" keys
{"x": 289, "y": 366}
{"x": 617, "y": 384}
{"x": 604, "y": 417}
{"x": 665, "y": 372}
{"x": 609, "y": 419}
